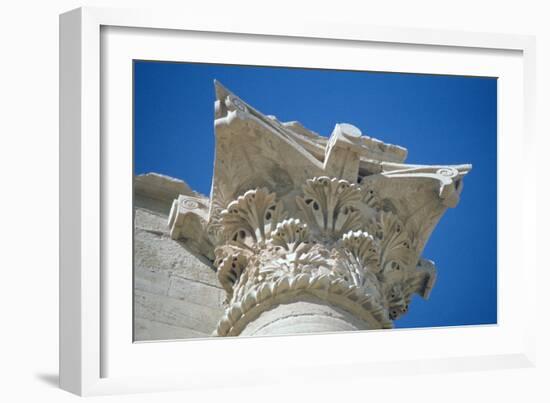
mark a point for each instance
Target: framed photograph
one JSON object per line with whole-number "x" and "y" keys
{"x": 242, "y": 193}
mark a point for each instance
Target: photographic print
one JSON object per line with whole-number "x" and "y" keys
{"x": 274, "y": 201}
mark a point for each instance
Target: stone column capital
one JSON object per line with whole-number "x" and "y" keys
{"x": 293, "y": 215}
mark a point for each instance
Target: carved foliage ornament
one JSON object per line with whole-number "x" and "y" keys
{"x": 361, "y": 258}
{"x": 331, "y": 206}
{"x": 251, "y": 218}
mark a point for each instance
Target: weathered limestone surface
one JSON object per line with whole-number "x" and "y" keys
{"x": 176, "y": 291}
{"x": 306, "y": 315}
{"x": 306, "y": 233}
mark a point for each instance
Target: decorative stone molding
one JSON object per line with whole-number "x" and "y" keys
{"x": 251, "y": 218}
{"x": 294, "y": 216}
{"x": 187, "y": 215}
{"x": 354, "y": 269}
{"x": 187, "y": 221}
{"x": 330, "y": 205}
{"x": 364, "y": 249}
{"x": 267, "y": 294}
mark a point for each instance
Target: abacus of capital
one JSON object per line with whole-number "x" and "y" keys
{"x": 308, "y": 233}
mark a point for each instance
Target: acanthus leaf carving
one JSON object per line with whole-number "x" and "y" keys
{"x": 366, "y": 255}
{"x": 364, "y": 248}
{"x": 396, "y": 241}
{"x": 400, "y": 285}
{"x": 252, "y": 217}
{"x": 370, "y": 198}
{"x": 330, "y": 206}
{"x": 292, "y": 235}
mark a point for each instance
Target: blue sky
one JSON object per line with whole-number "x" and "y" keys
{"x": 439, "y": 119}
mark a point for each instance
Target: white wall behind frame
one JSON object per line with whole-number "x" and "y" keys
{"x": 28, "y": 77}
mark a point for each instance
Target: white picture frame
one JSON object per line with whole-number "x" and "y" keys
{"x": 97, "y": 357}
